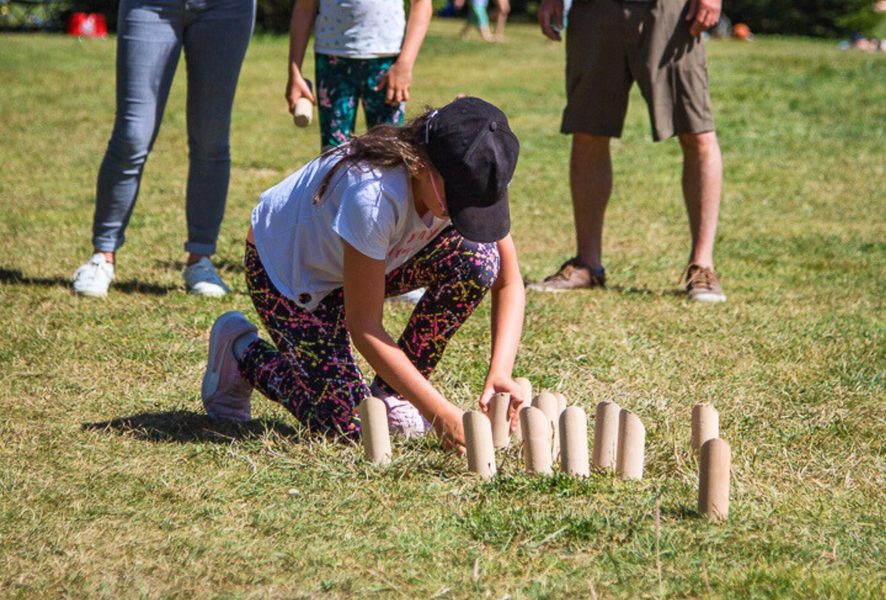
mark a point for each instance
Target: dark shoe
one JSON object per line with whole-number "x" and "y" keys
{"x": 573, "y": 275}
{"x": 702, "y": 284}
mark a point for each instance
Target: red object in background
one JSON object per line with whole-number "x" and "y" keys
{"x": 91, "y": 25}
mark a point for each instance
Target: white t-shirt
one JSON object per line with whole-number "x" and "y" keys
{"x": 359, "y": 28}
{"x": 301, "y": 243}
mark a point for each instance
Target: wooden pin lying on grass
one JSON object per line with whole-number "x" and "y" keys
{"x": 549, "y": 405}
{"x": 526, "y": 387}
{"x": 574, "y": 442}
{"x": 606, "y": 435}
{"x": 631, "y": 445}
{"x": 705, "y": 424}
{"x": 501, "y": 426}
{"x": 478, "y": 443}
{"x": 713, "y": 479}
{"x": 374, "y": 431}
{"x": 537, "y": 437}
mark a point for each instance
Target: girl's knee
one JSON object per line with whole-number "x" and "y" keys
{"x": 481, "y": 263}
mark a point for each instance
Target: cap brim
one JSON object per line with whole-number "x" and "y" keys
{"x": 483, "y": 224}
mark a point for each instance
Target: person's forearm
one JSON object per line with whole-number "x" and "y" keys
{"x": 392, "y": 365}
{"x": 300, "y": 26}
{"x": 508, "y": 305}
{"x": 416, "y": 28}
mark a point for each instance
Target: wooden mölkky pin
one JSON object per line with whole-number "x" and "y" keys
{"x": 478, "y": 443}
{"x": 374, "y": 431}
{"x": 304, "y": 110}
{"x": 526, "y": 386}
{"x": 606, "y": 435}
{"x": 705, "y": 424}
{"x": 713, "y": 479}
{"x": 537, "y": 437}
{"x": 501, "y": 426}
{"x": 574, "y": 442}
{"x": 631, "y": 445}
{"x": 550, "y": 406}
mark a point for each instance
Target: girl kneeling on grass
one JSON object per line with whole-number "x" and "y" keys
{"x": 425, "y": 205}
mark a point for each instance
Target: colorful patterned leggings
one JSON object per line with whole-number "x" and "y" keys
{"x": 341, "y": 82}
{"x": 310, "y": 368}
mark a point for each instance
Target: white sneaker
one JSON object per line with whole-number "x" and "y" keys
{"x": 411, "y": 297}
{"x": 94, "y": 277}
{"x": 226, "y": 395}
{"x": 403, "y": 417}
{"x": 202, "y": 279}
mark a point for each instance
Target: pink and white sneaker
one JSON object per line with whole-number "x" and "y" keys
{"x": 226, "y": 395}
{"x": 403, "y": 417}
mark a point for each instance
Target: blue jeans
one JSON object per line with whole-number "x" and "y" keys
{"x": 151, "y": 35}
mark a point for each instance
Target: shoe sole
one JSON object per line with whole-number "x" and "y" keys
{"x": 91, "y": 294}
{"x": 709, "y": 298}
{"x": 213, "y": 363}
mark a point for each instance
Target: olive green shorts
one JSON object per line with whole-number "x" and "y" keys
{"x": 612, "y": 43}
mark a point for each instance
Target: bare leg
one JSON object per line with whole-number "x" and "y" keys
{"x": 702, "y": 184}
{"x": 590, "y": 178}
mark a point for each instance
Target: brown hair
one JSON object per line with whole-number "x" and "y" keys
{"x": 384, "y": 146}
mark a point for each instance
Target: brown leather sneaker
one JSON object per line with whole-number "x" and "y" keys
{"x": 702, "y": 284}
{"x": 573, "y": 275}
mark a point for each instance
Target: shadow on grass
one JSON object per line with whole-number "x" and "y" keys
{"x": 131, "y": 286}
{"x": 222, "y": 265}
{"x": 183, "y": 427}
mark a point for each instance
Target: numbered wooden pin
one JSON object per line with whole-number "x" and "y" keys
{"x": 478, "y": 443}
{"x": 713, "y": 479}
{"x": 501, "y": 426}
{"x": 574, "y": 442}
{"x": 705, "y": 424}
{"x": 550, "y": 406}
{"x": 537, "y": 436}
{"x": 304, "y": 110}
{"x": 374, "y": 431}
{"x": 526, "y": 387}
{"x": 631, "y": 446}
{"x": 606, "y": 435}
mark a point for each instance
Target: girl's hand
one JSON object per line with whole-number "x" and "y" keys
{"x": 450, "y": 429}
{"x": 497, "y": 384}
{"x": 397, "y": 80}
{"x": 296, "y": 88}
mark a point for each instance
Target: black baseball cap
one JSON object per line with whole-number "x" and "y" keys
{"x": 470, "y": 143}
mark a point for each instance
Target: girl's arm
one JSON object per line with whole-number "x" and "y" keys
{"x": 364, "y": 289}
{"x": 399, "y": 76}
{"x": 508, "y": 304}
{"x": 300, "y": 26}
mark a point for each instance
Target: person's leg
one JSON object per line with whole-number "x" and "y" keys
{"x": 502, "y": 10}
{"x": 702, "y": 184}
{"x": 457, "y": 274}
{"x": 590, "y": 179}
{"x": 375, "y": 108}
{"x": 337, "y": 93}
{"x": 310, "y": 368}
{"x": 148, "y": 47}
{"x": 215, "y": 41}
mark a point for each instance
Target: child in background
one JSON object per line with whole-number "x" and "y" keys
{"x": 396, "y": 208}
{"x": 364, "y": 51}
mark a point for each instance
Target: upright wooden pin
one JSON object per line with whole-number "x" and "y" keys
{"x": 550, "y": 406}
{"x": 561, "y": 403}
{"x": 631, "y": 445}
{"x": 606, "y": 435}
{"x": 537, "y": 436}
{"x": 574, "y": 442}
{"x": 526, "y": 387}
{"x": 478, "y": 443}
{"x": 374, "y": 431}
{"x": 705, "y": 424}
{"x": 713, "y": 479}
{"x": 501, "y": 426}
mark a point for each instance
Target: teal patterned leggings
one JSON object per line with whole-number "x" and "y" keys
{"x": 310, "y": 368}
{"x": 341, "y": 83}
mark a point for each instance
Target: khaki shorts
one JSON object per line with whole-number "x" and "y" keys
{"x": 612, "y": 43}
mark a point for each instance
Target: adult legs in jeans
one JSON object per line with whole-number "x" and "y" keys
{"x": 151, "y": 36}
{"x": 310, "y": 367}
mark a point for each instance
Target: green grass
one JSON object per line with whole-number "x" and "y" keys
{"x": 115, "y": 485}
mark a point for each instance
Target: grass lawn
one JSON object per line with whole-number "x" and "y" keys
{"x": 115, "y": 485}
